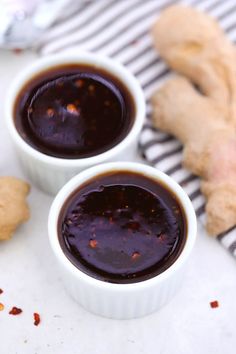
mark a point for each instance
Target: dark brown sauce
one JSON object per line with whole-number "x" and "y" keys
{"x": 74, "y": 111}
{"x": 122, "y": 227}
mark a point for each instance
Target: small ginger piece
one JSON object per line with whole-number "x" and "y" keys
{"x": 13, "y": 207}
{"x": 194, "y": 45}
{"x": 209, "y": 146}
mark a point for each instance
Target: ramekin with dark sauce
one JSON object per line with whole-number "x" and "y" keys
{"x": 122, "y": 233}
{"x": 69, "y": 112}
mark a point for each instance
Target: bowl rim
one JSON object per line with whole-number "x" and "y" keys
{"x": 148, "y": 171}
{"x": 97, "y": 60}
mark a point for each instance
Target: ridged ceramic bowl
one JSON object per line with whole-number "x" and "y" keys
{"x": 122, "y": 301}
{"x": 51, "y": 173}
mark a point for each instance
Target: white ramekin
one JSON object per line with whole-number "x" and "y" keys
{"x": 121, "y": 301}
{"x": 51, "y": 173}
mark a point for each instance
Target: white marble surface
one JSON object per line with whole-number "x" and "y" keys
{"x": 30, "y": 280}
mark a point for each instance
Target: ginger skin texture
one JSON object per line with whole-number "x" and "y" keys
{"x": 209, "y": 146}
{"x": 13, "y": 207}
{"x": 194, "y": 45}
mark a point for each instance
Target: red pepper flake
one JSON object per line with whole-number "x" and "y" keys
{"x": 1, "y": 291}
{"x": 214, "y": 304}
{"x": 135, "y": 256}
{"x": 93, "y": 243}
{"x": 1, "y": 307}
{"x": 107, "y": 103}
{"x": 36, "y": 319}
{"x": 71, "y": 108}
{"x": 161, "y": 237}
{"x": 15, "y": 311}
{"x": 79, "y": 83}
{"x": 133, "y": 225}
{"x": 91, "y": 88}
{"x": 17, "y": 50}
{"x": 50, "y": 112}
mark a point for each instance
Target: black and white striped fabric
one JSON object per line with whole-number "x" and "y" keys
{"x": 120, "y": 29}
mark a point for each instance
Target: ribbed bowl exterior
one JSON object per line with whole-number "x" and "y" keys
{"x": 127, "y": 303}
{"x": 51, "y": 179}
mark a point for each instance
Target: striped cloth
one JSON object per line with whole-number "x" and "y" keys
{"x": 120, "y": 29}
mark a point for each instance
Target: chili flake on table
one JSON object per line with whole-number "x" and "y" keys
{"x": 37, "y": 319}
{"x": 15, "y": 311}
{"x": 1, "y": 307}
{"x": 214, "y": 304}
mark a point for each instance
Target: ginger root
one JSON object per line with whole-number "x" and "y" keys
{"x": 210, "y": 146}
{"x": 13, "y": 207}
{"x": 194, "y": 45}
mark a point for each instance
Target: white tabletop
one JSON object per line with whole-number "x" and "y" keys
{"x": 30, "y": 280}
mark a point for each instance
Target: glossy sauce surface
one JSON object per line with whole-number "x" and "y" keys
{"x": 122, "y": 228}
{"x": 74, "y": 112}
